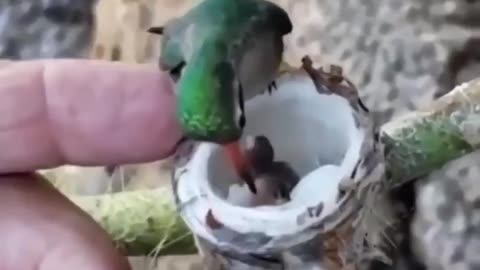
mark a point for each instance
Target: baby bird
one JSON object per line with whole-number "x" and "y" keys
{"x": 274, "y": 179}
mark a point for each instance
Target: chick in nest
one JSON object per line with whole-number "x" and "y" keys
{"x": 274, "y": 179}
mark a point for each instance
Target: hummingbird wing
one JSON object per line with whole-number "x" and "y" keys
{"x": 251, "y": 19}
{"x": 273, "y": 17}
{"x": 256, "y": 40}
{"x": 267, "y": 17}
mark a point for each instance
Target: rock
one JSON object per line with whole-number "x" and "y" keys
{"x": 398, "y": 53}
{"x": 46, "y": 29}
{"x": 446, "y": 228}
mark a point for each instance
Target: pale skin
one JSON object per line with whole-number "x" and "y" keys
{"x": 76, "y": 112}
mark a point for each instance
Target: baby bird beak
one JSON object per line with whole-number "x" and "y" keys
{"x": 241, "y": 163}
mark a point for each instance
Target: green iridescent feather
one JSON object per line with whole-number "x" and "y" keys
{"x": 211, "y": 39}
{"x": 206, "y": 106}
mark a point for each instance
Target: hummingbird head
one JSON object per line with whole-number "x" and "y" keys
{"x": 171, "y": 56}
{"x": 210, "y": 103}
{"x": 208, "y": 107}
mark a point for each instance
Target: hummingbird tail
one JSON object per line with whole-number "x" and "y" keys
{"x": 241, "y": 164}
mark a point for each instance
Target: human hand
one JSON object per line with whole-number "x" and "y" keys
{"x": 79, "y": 112}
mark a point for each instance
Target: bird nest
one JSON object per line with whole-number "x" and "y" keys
{"x": 317, "y": 124}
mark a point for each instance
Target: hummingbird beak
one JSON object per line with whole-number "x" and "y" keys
{"x": 156, "y": 30}
{"x": 241, "y": 164}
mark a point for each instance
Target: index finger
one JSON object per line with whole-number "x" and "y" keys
{"x": 84, "y": 112}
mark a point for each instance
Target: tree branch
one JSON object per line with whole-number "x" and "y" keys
{"x": 425, "y": 140}
{"x": 140, "y": 222}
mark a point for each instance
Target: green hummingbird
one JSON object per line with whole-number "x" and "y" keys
{"x": 220, "y": 53}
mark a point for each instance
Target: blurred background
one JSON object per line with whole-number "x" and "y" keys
{"x": 400, "y": 54}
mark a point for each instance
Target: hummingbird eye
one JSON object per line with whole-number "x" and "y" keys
{"x": 176, "y": 72}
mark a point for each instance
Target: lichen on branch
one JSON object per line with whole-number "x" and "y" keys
{"x": 140, "y": 222}
{"x": 427, "y": 139}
